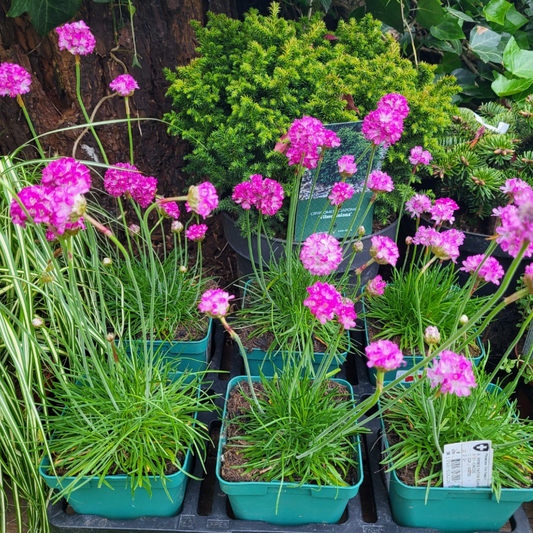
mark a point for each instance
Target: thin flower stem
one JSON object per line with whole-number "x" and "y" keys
{"x": 127, "y": 104}
{"x": 434, "y": 425}
{"x": 84, "y": 111}
{"x": 30, "y": 124}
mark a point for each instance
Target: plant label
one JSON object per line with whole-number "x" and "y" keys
{"x": 467, "y": 464}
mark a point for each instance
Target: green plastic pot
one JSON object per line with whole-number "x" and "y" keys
{"x": 118, "y": 502}
{"x": 290, "y": 504}
{"x": 452, "y": 510}
{"x": 182, "y": 356}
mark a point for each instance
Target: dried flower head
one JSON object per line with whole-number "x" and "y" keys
{"x": 76, "y": 37}
{"x": 14, "y": 80}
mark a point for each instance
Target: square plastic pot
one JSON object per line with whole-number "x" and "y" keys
{"x": 192, "y": 356}
{"x": 290, "y": 504}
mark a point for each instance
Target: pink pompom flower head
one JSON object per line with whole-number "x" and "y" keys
{"x": 419, "y": 156}
{"x": 396, "y": 103}
{"x": 168, "y": 209}
{"x": 384, "y": 355}
{"x": 324, "y": 301}
{"x": 417, "y": 205}
{"x": 124, "y": 85}
{"x": 453, "y": 373}
{"x": 346, "y": 314}
{"x": 347, "y": 166}
{"x": 445, "y": 245}
{"x": 143, "y": 189}
{"x": 341, "y": 192}
{"x": 321, "y": 254}
{"x": 528, "y": 278}
{"x": 202, "y": 199}
{"x": 76, "y": 37}
{"x": 265, "y": 194}
{"x": 117, "y": 181}
{"x": 425, "y": 236}
{"x": 384, "y": 250}
{"x": 375, "y": 287}
{"x": 14, "y": 80}
{"x": 516, "y": 225}
{"x": 196, "y": 232}
{"x": 491, "y": 270}
{"x": 385, "y": 124}
{"x": 514, "y": 187}
{"x": 379, "y": 182}
{"x": 68, "y": 174}
{"x": 215, "y": 303}
{"x": 442, "y": 210}
{"x": 306, "y": 137}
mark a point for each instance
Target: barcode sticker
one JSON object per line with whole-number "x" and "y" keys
{"x": 467, "y": 464}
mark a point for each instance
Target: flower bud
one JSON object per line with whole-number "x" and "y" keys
{"x": 463, "y": 320}
{"x": 357, "y": 246}
{"x": 37, "y": 322}
{"x": 110, "y": 337}
{"x": 176, "y": 227}
{"x": 361, "y": 231}
{"x": 134, "y": 230}
{"x": 408, "y": 241}
{"x": 183, "y": 269}
{"x": 107, "y": 262}
{"x": 432, "y": 335}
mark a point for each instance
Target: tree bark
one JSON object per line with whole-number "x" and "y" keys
{"x": 163, "y": 37}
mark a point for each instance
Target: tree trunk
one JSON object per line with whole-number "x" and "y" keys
{"x": 163, "y": 38}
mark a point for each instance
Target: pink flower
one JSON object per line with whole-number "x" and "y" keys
{"x": 69, "y": 174}
{"x": 443, "y": 210}
{"x": 306, "y": 136}
{"x": 417, "y": 205}
{"x": 384, "y": 250}
{"x": 445, "y": 245}
{"x": 380, "y": 182}
{"x": 14, "y": 80}
{"x": 202, "y": 199}
{"x": 117, "y": 182}
{"x": 528, "y": 278}
{"x": 36, "y": 200}
{"x": 347, "y": 167}
{"x": 242, "y": 194}
{"x": 384, "y": 355}
{"x": 76, "y": 38}
{"x": 425, "y": 236}
{"x": 341, "y": 192}
{"x": 529, "y": 270}
{"x": 515, "y": 186}
{"x": 383, "y": 126}
{"x": 516, "y": 225}
{"x": 491, "y": 270}
{"x": 134, "y": 230}
{"x": 124, "y": 85}
{"x": 321, "y": 254}
{"x": 196, "y": 232}
{"x": 453, "y": 373}
{"x": 375, "y": 287}
{"x": 324, "y": 301}
{"x": 346, "y": 314}
{"x": 143, "y": 189}
{"x": 269, "y": 201}
{"x": 420, "y": 156}
{"x": 170, "y": 210}
{"x": 215, "y": 303}
{"x": 395, "y": 102}
{"x": 432, "y": 335}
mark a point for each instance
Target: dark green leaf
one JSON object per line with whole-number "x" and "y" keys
{"x": 450, "y": 61}
{"x": 522, "y": 40}
{"x": 45, "y": 14}
{"x": 517, "y": 61}
{"x": 357, "y": 13}
{"x": 460, "y": 15}
{"x": 448, "y": 28}
{"x": 514, "y": 20}
{"x": 429, "y": 13}
{"x": 445, "y": 46}
{"x": 388, "y": 11}
{"x": 495, "y": 11}
{"x": 506, "y": 87}
{"x": 102, "y": 1}
{"x": 484, "y": 44}
{"x": 465, "y": 78}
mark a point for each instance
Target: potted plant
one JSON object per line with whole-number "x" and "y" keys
{"x": 453, "y": 416}
{"x": 255, "y": 77}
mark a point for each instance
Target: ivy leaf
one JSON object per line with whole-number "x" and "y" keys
{"x": 388, "y": 11}
{"x": 429, "y": 13}
{"x": 448, "y": 28}
{"x": 513, "y": 21}
{"x": 484, "y": 44}
{"x": 503, "y": 86}
{"x": 517, "y": 61}
{"x": 460, "y": 15}
{"x": 495, "y": 11}
{"x": 45, "y": 14}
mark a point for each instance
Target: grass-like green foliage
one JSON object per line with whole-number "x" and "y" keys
{"x": 472, "y": 171}
{"x": 284, "y": 314}
{"x": 175, "y": 293}
{"x": 295, "y": 412}
{"x": 408, "y": 306}
{"x": 254, "y": 77}
{"x": 487, "y": 414}
{"x": 140, "y": 434}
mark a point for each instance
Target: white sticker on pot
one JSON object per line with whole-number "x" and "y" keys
{"x": 408, "y": 379}
{"x": 467, "y": 464}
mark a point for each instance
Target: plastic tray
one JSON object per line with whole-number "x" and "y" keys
{"x": 206, "y": 508}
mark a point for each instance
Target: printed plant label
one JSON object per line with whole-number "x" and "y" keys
{"x": 468, "y": 464}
